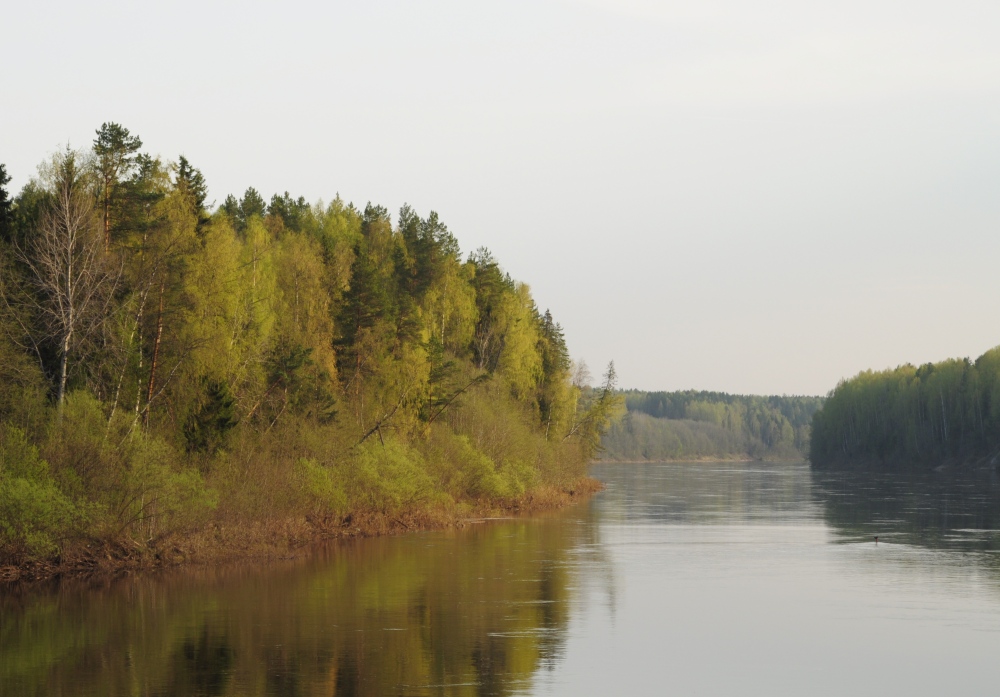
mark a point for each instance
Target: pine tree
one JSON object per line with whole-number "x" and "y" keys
{"x": 117, "y": 151}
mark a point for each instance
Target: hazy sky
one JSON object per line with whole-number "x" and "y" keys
{"x": 759, "y": 196}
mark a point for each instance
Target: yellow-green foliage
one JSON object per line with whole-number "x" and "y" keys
{"x": 713, "y": 413}
{"x": 465, "y": 472}
{"x": 274, "y": 361}
{"x": 34, "y": 512}
{"x": 387, "y": 478}
{"x": 322, "y": 493}
{"x": 520, "y": 363}
{"x": 304, "y": 305}
{"x": 131, "y": 483}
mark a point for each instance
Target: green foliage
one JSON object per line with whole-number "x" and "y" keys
{"x": 191, "y": 183}
{"x": 693, "y": 424}
{"x": 115, "y": 149}
{"x": 157, "y": 495}
{"x": 387, "y": 478}
{"x": 241, "y": 212}
{"x": 132, "y": 484}
{"x": 467, "y": 472}
{"x": 35, "y": 515}
{"x": 912, "y": 416}
{"x": 322, "y": 494}
{"x": 598, "y": 410}
{"x": 22, "y": 383}
{"x": 271, "y": 360}
{"x": 120, "y": 171}
{"x": 640, "y": 436}
{"x": 207, "y": 427}
{"x": 293, "y": 213}
{"x": 29, "y": 205}
{"x": 6, "y": 206}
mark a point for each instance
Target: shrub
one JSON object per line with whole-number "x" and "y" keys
{"x": 35, "y": 515}
{"x": 386, "y": 478}
{"x": 320, "y": 493}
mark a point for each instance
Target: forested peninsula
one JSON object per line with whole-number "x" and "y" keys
{"x": 178, "y": 382}
{"x": 694, "y": 425}
{"x": 943, "y": 414}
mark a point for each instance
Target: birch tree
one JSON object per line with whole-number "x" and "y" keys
{"x": 71, "y": 276}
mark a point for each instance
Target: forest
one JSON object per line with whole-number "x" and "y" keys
{"x": 691, "y": 425}
{"x": 909, "y": 417}
{"x": 172, "y": 370}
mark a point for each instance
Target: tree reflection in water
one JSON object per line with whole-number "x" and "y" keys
{"x": 463, "y": 612}
{"x": 959, "y": 511}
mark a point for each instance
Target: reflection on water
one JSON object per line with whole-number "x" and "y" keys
{"x": 681, "y": 578}
{"x": 947, "y": 510}
{"x": 702, "y": 493}
{"x": 763, "y": 579}
{"x": 466, "y": 612}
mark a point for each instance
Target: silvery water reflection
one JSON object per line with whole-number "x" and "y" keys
{"x": 764, "y": 579}
{"x": 704, "y": 578}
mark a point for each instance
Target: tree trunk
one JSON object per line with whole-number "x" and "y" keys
{"x": 156, "y": 354}
{"x": 107, "y": 216}
{"x": 63, "y": 367}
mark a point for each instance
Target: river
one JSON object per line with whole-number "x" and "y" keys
{"x": 680, "y": 578}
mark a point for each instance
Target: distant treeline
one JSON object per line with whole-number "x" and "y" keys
{"x": 165, "y": 367}
{"x": 911, "y": 417}
{"x": 694, "y": 424}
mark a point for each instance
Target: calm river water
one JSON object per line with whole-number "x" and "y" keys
{"x": 687, "y": 579}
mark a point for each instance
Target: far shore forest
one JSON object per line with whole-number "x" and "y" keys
{"x": 941, "y": 416}
{"x": 167, "y": 370}
{"x": 694, "y": 425}
{"x": 937, "y": 415}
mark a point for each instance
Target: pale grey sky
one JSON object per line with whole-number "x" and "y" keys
{"x": 760, "y": 196}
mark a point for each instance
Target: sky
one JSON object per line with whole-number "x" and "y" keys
{"x": 758, "y": 197}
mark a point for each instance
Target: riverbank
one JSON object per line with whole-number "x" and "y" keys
{"x": 703, "y": 458}
{"x": 266, "y": 541}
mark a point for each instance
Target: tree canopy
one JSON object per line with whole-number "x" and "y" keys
{"x": 696, "y": 424}
{"x": 913, "y": 416}
{"x": 171, "y": 364}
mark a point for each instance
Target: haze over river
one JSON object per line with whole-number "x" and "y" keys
{"x": 680, "y": 578}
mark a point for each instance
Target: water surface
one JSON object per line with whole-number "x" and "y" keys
{"x": 695, "y": 579}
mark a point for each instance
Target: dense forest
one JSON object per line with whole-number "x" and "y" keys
{"x": 167, "y": 369}
{"x": 913, "y": 417}
{"x": 695, "y": 425}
